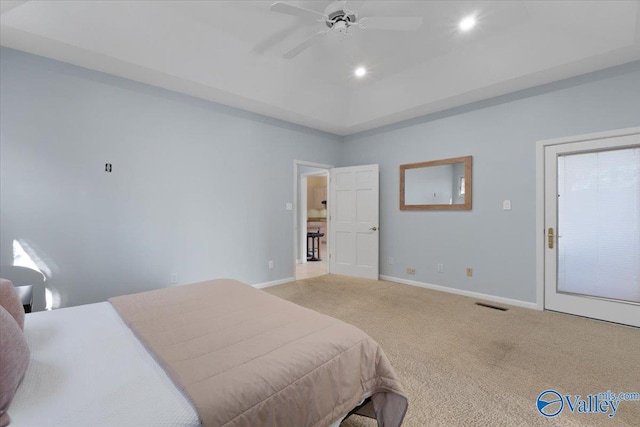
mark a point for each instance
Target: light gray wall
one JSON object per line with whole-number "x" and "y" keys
{"x": 198, "y": 189}
{"x": 500, "y": 134}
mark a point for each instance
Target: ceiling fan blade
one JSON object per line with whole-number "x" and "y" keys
{"x": 276, "y": 38}
{"x": 289, "y": 9}
{"x": 411, "y": 23}
{"x": 305, "y": 44}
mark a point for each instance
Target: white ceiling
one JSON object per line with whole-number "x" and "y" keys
{"x": 231, "y": 52}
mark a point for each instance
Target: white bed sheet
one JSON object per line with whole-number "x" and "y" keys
{"x": 88, "y": 369}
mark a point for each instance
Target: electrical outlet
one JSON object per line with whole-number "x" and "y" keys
{"x": 411, "y": 270}
{"x": 390, "y": 260}
{"x": 174, "y": 278}
{"x": 469, "y": 271}
{"x": 440, "y": 268}
{"x": 271, "y": 265}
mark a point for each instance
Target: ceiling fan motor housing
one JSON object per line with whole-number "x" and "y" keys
{"x": 336, "y": 13}
{"x": 340, "y": 16}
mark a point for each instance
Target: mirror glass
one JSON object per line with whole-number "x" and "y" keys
{"x": 440, "y": 184}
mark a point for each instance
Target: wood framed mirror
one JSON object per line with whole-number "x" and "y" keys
{"x": 436, "y": 185}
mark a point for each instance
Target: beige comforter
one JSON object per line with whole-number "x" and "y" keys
{"x": 247, "y": 358}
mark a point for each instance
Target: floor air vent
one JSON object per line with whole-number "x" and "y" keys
{"x": 495, "y": 307}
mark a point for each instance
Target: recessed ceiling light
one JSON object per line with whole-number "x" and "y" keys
{"x": 360, "y": 72}
{"x": 467, "y": 23}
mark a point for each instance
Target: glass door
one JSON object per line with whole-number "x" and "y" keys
{"x": 592, "y": 226}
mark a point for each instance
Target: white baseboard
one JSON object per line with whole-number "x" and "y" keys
{"x": 478, "y": 295}
{"x": 274, "y": 283}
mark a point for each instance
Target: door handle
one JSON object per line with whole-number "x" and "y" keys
{"x": 373, "y": 228}
{"x": 550, "y": 236}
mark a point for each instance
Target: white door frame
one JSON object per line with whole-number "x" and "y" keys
{"x": 540, "y": 204}
{"x": 296, "y": 232}
{"x": 302, "y": 231}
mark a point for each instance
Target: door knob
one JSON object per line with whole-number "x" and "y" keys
{"x": 373, "y": 228}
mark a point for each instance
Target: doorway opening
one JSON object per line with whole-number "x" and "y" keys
{"x": 311, "y": 227}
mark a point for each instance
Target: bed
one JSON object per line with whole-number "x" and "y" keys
{"x": 216, "y": 353}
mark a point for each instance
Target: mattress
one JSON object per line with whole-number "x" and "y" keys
{"x": 88, "y": 369}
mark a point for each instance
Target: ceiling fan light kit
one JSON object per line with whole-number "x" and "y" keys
{"x": 340, "y": 19}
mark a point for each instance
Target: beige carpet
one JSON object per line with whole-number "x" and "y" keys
{"x": 465, "y": 365}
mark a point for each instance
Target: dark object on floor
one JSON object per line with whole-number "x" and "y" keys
{"x": 315, "y": 246}
{"x": 495, "y": 307}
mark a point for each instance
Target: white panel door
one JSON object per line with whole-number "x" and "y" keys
{"x": 353, "y": 221}
{"x": 592, "y": 229}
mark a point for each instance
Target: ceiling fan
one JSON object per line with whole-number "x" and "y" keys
{"x": 339, "y": 18}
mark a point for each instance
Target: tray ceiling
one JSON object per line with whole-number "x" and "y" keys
{"x": 231, "y": 52}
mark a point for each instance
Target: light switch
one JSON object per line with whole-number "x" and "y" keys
{"x": 289, "y": 206}
{"x": 506, "y": 205}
